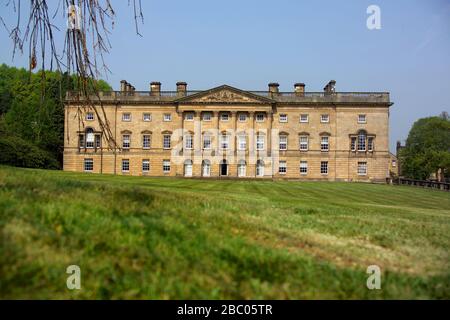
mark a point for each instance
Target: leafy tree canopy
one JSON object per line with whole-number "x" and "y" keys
{"x": 427, "y": 148}
{"x": 32, "y": 115}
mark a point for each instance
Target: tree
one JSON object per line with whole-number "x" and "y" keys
{"x": 86, "y": 43}
{"x": 32, "y": 119}
{"x": 427, "y": 149}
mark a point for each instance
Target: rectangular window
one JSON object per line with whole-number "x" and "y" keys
{"x": 242, "y": 117}
{"x": 353, "y": 144}
{"x": 260, "y": 117}
{"x": 98, "y": 141}
{"x": 394, "y": 163}
{"x": 260, "y": 139}
{"x": 303, "y": 167}
{"x": 166, "y": 141}
{"x": 283, "y": 142}
{"x": 126, "y": 141}
{"x": 304, "y": 118}
{"x": 88, "y": 165}
{"x": 166, "y": 166}
{"x": 145, "y": 166}
{"x": 167, "y": 117}
{"x": 147, "y": 116}
{"x": 125, "y": 165}
{"x": 189, "y": 116}
{"x": 207, "y": 116}
{"x": 146, "y": 141}
{"x": 324, "y": 144}
{"x": 81, "y": 140}
{"x": 370, "y": 144}
{"x": 324, "y": 167}
{"x": 282, "y": 168}
{"x": 361, "y": 118}
{"x": 362, "y": 168}
{"x": 283, "y": 117}
{"x": 324, "y": 118}
{"x": 89, "y": 116}
{"x": 188, "y": 141}
{"x": 303, "y": 143}
{"x": 224, "y": 117}
{"x": 206, "y": 142}
{"x": 242, "y": 142}
{"x": 225, "y": 141}
{"x": 126, "y": 116}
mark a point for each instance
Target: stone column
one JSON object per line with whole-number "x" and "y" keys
{"x": 197, "y": 161}
{"x": 251, "y": 163}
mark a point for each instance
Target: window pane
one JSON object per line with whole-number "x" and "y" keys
{"x": 88, "y": 164}
{"x": 324, "y": 144}
{"x": 324, "y": 167}
{"x": 303, "y": 167}
{"x": 145, "y": 165}
{"x": 125, "y": 165}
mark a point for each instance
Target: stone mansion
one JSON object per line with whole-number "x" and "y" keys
{"x": 228, "y": 132}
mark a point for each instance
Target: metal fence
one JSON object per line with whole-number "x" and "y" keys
{"x": 445, "y": 186}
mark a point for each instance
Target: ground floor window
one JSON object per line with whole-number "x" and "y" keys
{"x": 125, "y": 165}
{"x": 188, "y": 168}
{"x": 260, "y": 168}
{"x": 145, "y": 165}
{"x": 88, "y": 165}
{"x": 303, "y": 167}
{"x": 242, "y": 169}
{"x": 324, "y": 167}
{"x": 282, "y": 168}
{"x": 362, "y": 168}
{"x": 206, "y": 168}
{"x": 166, "y": 166}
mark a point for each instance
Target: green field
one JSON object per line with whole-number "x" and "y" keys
{"x": 163, "y": 238}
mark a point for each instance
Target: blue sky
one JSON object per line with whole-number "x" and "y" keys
{"x": 250, "y": 43}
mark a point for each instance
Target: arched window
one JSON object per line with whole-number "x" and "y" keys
{"x": 260, "y": 168}
{"x": 206, "y": 168}
{"x": 188, "y": 168}
{"x": 362, "y": 136}
{"x": 90, "y": 138}
{"x": 242, "y": 168}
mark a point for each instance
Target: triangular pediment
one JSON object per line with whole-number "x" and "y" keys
{"x": 225, "y": 94}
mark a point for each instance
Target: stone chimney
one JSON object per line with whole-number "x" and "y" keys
{"x": 330, "y": 87}
{"x": 273, "y": 89}
{"x": 123, "y": 85}
{"x": 129, "y": 88}
{"x": 155, "y": 89}
{"x": 181, "y": 89}
{"x": 299, "y": 89}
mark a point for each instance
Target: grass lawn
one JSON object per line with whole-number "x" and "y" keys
{"x": 162, "y": 238}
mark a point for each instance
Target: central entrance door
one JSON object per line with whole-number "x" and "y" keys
{"x": 223, "y": 168}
